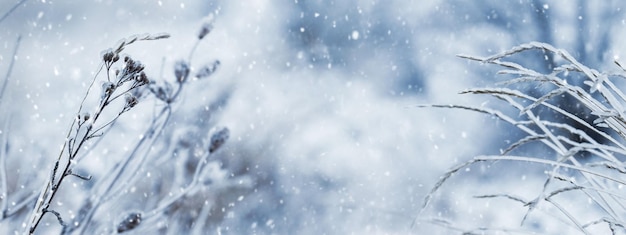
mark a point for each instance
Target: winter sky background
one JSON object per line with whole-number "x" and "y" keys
{"x": 321, "y": 98}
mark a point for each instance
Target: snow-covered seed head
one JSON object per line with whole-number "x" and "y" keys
{"x": 138, "y": 66}
{"x": 131, "y": 101}
{"x": 218, "y": 139}
{"x": 130, "y": 222}
{"x": 207, "y": 26}
{"x": 142, "y": 79}
{"x": 108, "y": 55}
{"x": 86, "y": 116}
{"x": 116, "y": 57}
{"x": 181, "y": 71}
{"x": 108, "y": 88}
{"x": 207, "y": 70}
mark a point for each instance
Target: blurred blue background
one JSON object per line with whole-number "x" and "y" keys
{"x": 319, "y": 96}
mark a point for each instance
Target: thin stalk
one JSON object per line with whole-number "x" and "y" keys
{"x": 13, "y": 8}
{"x": 142, "y": 160}
{"x": 110, "y": 191}
{"x": 4, "y": 145}
{"x": 151, "y": 133}
{"x": 194, "y": 182}
{"x": 10, "y": 69}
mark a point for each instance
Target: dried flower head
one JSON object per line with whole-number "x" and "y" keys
{"x": 207, "y": 70}
{"x": 82, "y": 117}
{"x": 107, "y": 55}
{"x": 107, "y": 88}
{"x": 131, "y": 100}
{"x": 181, "y": 71}
{"x": 85, "y": 130}
{"x": 86, "y": 116}
{"x": 133, "y": 66}
{"x": 132, "y": 71}
{"x": 218, "y": 139}
{"x": 130, "y": 222}
{"x": 138, "y": 66}
{"x": 116, "y": 57}
{"x": 207, "y": 26}
{"x": 142, "y": 79}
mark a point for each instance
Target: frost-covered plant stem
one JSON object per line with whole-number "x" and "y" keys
{"x": 125, "y": 173}
{"x": 106, "y": 191}
{"x": 92, "y": 204}
{"x": 82, "y": 128}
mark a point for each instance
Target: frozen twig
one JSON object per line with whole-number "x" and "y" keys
{"x": 612, "y": 224}
{"x": 13, "y": 8}
{"x": 10, "y": 69}
{"x": 451, "y": 172}
{"x": 105, "y": 187}
{"x": 576, "y": 119}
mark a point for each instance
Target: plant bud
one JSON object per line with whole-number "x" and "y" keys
{"x": 207, "y": 26}
{"x": 130, "y": 222}
{"x": 181, "y": 71}
{"x": 218, "y": 139}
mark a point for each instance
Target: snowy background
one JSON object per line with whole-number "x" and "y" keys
{"x": 319, "y": 97}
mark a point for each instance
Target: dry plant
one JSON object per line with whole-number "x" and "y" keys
{"x": 596, "y": 178}
{"x": 87, "y": 126}
{"x": 123, "y": 86}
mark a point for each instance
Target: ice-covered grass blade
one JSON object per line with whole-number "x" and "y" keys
{"x": 599, "y": 134}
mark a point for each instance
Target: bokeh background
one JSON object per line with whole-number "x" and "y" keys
{"x": 320, "y": 98}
